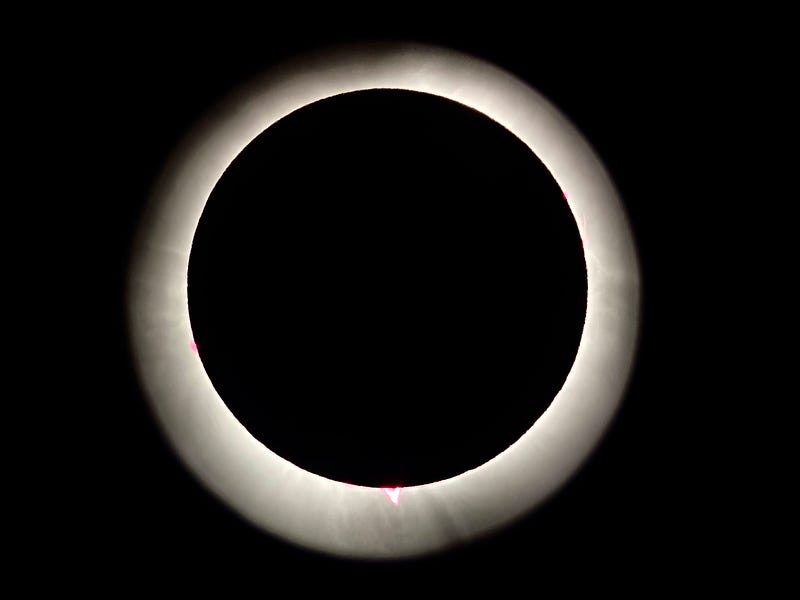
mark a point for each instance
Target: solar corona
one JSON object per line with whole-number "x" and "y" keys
{"x": 335, "y": 517}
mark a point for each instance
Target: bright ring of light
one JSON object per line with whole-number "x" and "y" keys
{"x": 330, "y": 516}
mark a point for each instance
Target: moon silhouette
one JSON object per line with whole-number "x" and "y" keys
{"x": 307, "y": 509}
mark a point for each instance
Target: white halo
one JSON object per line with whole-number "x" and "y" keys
{"x": 330, "y": 516}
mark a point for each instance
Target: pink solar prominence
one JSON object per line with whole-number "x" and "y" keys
{"x": 393, "y": 494}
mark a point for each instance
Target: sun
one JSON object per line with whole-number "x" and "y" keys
{"x": 330, "y": 516}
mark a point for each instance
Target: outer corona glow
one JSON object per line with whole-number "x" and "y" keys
{"x": 331, "y": 516}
